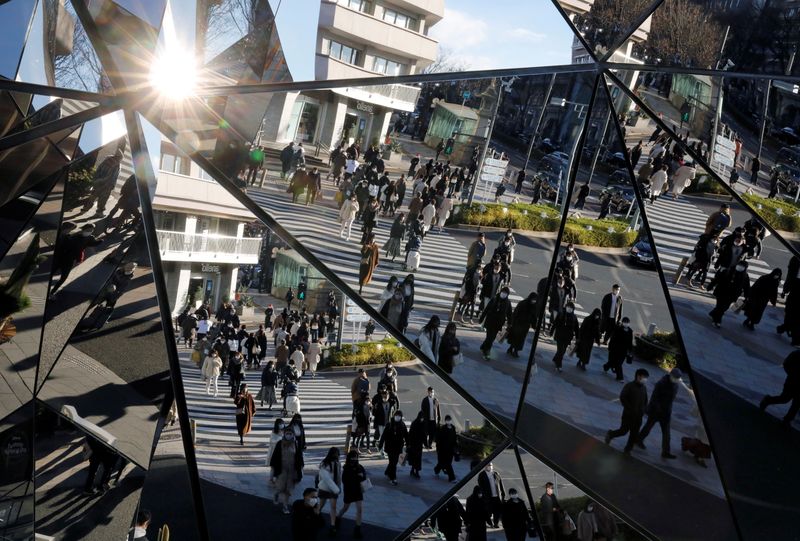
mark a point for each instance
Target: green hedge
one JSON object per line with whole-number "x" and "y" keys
{"x": 369, "y": 353}
{"x": 786, "y": 221}
{"x": 576, "y": 232}
{"x": 479, "y": 442}
{"x": 522, "y": 216}
{"x": 706, "y": 184}
{"x": 661, "y": 349}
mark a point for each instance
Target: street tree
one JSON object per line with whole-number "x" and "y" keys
{"x": 609, "y": 20}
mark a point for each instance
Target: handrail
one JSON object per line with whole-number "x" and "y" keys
{"x": 176, "y": 241}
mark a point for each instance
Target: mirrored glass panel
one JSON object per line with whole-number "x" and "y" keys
{"x": 16, "y": 473}
{"x": 84, "y": 487}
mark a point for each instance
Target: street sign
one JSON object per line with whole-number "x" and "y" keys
{"x": 494, "y": 162}
{"x": 356, "y": 318}
{"x": 350, "y": 302}
{"x": 561, "y": 102}
{"x": 720, "y": 150}
{"x": 353, "y": 310}
{"x": 492, "y": 170}
{"x": 491, "y": 178}
{"x": 726, "y": 143}
{"x": 723, "y": 160}
{"x": 466, "y": 94}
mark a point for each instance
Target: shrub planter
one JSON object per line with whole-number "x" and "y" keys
{"x": 659, "y": 349}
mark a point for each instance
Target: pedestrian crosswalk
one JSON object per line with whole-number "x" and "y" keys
{"x": 676, "y": 226}
{"x": 326, "y": 410}
{"x": 437, "y": 281}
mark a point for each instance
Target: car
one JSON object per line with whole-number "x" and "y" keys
{"x": 622, "y": 198}
{"x": 641, "y": 253}
{"x": 788, "y": 178}
{"x": 787, "y": 135}
{"x": 547, "y": 146}
{"x": 552, "y": 165}
{"x": 616, "y": 159}
{"x": 563, "y": 156}
{"x": 789, "y": 156}
{"x": 549, "y": 188}
{"x": 620, "y": 177}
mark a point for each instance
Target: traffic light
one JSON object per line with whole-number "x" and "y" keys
{"x": 301, "y": 291}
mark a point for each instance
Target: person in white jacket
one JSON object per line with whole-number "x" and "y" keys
{"x": 312, "y": 357}
{"x": 330, "y": 483}
{"x": 443, "y": 212}
{"x": 657, "y": 182}
{"x": 429, "y": 339}
{"x": 428, "y": 212}
{"x": 682, "y": 178}
{"x": 299, "y": 358}
{"x": 211, "y": 369}
{"x": 347, "y": 215}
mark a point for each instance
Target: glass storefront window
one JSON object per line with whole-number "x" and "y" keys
{"x": 303, "y": 122}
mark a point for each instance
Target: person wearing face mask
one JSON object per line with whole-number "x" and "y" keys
{"x": 413, "y": 256}
{"x": 388, "y": 377}
{"x": 431, "y": 415}
{"x": 415, "y": 441}
{"x": 659, "y": 410}
{"x": 566, "y": 328}
{"x": 430, "y": 339}
{"x": 702, "y": 255}
{"x": 369, "y": 261}
{"x": 764, "y": 291}
{"x": 353, "y": 477}
{"x": 491, "y": 283}
{"x": 522, "y": 319}
{"x": 587, "y": 524}
{"x": 347, "y": 215}
{"x": 550, "y": 512}
{"x": 287, "y": 468}
{"x": 330, "y": 484}
{"x": 557, "y": 299}
{"x": 408, "y": 289}
{"x": 245, "y": 410}
{"x": 588, "y": 335}
{"x": 620, "y": 348}
{"x": 394, "y": 310}
{"x": 393, "y": 439}
{"x": 494, "y": 493}
{"x": 633, "y": 398}
{"x": 275, "y": 438}
{"x": 449, "y": 349}
{"x": 476, "y": 251}
{"x": 732, "y": 249}
{"x": 494, "y": 317}
{"x": 446, "y": 442}
{"x": 731, "y": 284}
{"x": 476, "y": 515}
{"x": 306, "y": 518}
{"x": 384, "y": 406}
{"x": 611, "y": 310}
{"x": 719, "y": 221}
{"x": 516, "y": 518}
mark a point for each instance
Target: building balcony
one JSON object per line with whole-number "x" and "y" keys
{"x": 397, "y": 97}
{"x": 192, "y": 194}
{"x": 177, "y": 246}
{"x": 433, "y": 10}
{"x": 361, "y": 28}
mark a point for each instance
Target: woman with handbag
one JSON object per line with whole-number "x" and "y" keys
{"x": 354, "y": 483}
{"x": 449, "y": 349}
{"x": 245, "y": 409}
{"x": 369, "y": 261}
{"x": 330, "y": 483}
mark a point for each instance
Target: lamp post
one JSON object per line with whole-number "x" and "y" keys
{"x": 539, "y": 120}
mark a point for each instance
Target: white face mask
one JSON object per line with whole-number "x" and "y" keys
{"x": 407, "y": 289}
{"x": 569, "y": 310}
{"x": 313, "y": 502}
{"x": 625, "y": 325}
{"x": 514, "y": 497}
{"x": 448, "y": 423}
{"x": 503, "y": 295}
{"x": 739, "y": 268}
{"x": 590, "y": 508}
{"x": 398, "y": 418}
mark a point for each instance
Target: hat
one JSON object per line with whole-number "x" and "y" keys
{"x": 676, "y": 373}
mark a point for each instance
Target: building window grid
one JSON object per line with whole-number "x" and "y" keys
{"x": 387, "y": 67}
{"x": 400, "y": 19}
{"x": 342, "y": 52}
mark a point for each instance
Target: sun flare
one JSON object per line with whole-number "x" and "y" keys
{"x": 174, "y": 73}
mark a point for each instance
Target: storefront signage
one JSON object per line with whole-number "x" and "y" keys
{"x": 366, "y": 107}
{"x": 210, "y": 268}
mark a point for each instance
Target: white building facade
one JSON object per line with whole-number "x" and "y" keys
{"x": 357, "y": 39}
{"x": 201, "y": 232}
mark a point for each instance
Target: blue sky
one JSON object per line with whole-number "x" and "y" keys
{"x": 512, "y": 34}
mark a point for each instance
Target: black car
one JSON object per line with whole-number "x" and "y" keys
{"x": 621, "y": 177}
{"x": 641, "y": 253}
{"x": 621, "y": 198}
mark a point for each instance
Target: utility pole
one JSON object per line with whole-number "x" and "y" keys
{"x": 600, "y": 146}
{"x": 789, "y": 66}
{"x": 500, "y": 87}
{"x": 539, "y": 120}
{"x": 340, "y": 330}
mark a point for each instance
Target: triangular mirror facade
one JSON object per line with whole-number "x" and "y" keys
{"x": 712, "y": 252}
{"x": 203, "y": 192}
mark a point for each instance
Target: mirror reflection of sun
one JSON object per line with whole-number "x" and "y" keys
{"x": 174, "y": 73}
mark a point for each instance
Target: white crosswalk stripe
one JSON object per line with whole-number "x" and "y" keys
{"x": 326, "y": 409}
{"x": 676, "y": 226}
{"x": 436, "y": 282}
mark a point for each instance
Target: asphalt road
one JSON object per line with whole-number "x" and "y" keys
{"x": 644, "y": 298}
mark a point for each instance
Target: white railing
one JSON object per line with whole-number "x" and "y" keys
{"x": 177, "y": 246}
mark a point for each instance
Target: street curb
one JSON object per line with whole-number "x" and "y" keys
{"x": 543, "y": 235}
{"x": 355, "y": 368}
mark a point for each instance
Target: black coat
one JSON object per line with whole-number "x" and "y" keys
{"x": 476, "y": 517}
{"x": 483, "y": 482}
{"x": 588, "y": 335}
{"x": 764, "y": 290}
{"x": 621, "y": 343}
{"x": 305, "y": 522}
{"x": 634, "y": 400}
{"x": 515, "y": 516}
{"x": 558, "y": 298}
{"x": 496, "y": 313}
{"x": 426, "y": 409}
{"x": 523, "y": 318}
{"x": 448, "y": 519}
{"x": 664, "y": 393}
{"x": 448, "y": 349}
{"x": 732, "y": 285}
{"x": 546, "y": 504}
{"x": 394, "y": 437}
{"x": 566, "y": 328}
{"x": 276, "y": 464}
